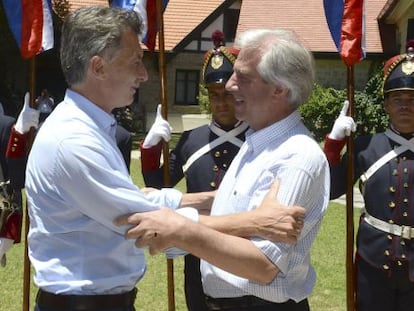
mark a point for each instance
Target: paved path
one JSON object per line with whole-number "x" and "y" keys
{"x": 358, "y": 200}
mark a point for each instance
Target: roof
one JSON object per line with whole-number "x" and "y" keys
{"x": 307, "y": 19}
{"x": 75, "y": 4}
{"x": 181, "y": 17}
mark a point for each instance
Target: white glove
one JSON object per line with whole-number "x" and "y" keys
{"x": 343, "y": 124}
{"x": 161, "y": 129}
{"x": 5, "y": 245}
{"x": 28, "y": 117}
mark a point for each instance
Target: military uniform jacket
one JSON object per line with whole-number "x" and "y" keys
{"x": 13, "y": 164}
{"x": 206, "y": 173}
{"x": 388, "y": 196}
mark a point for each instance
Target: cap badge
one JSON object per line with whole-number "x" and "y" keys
{"x": 217, "y": 61}
{"x": 408, "y": 67}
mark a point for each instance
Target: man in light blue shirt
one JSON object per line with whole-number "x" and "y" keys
{"x": 273, "y": 75}
{"x": 77, "y": 182}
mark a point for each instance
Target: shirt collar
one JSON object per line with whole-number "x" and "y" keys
{"x": 103, "y": 120}
{"x": 258, "y": 140}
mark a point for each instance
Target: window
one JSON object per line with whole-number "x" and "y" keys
{"x": 186, "y": 87}
{"x": 230, "y": 21}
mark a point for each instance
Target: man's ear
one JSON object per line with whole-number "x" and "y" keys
{"x": 97, "y": 67}
{"x": 279, "y": 91}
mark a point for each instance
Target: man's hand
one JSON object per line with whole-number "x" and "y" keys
{"x": 343, "y": 124}
{"x": 276, "y": 222}
{"x": 161, "y": 129}
{"x": 28, "y": 117}
{"x": 156, "y": 229}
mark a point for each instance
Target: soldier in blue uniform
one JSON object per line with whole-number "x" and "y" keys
{"x": 203, "y": 154}
{"x": 13, "y": 139}
{"x": 384, "y": 165}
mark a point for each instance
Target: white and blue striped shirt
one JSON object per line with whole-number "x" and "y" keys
{"x": 283, "y": 151}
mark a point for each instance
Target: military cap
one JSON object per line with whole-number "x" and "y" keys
{"x": 399, "y": 71}
{"x": 218, "y": 62}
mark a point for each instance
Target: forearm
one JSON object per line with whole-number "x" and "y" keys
{"x": 233, "y": 254}
{"x": 201, "y": 201}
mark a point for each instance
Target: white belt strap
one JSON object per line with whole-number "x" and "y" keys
{"x": 405, "y": 145}
{"x": 405, "y": 232}
{"x": 223, "y": 136}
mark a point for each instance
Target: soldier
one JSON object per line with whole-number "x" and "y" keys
{"x": 384, "y": 165}
{"x": 12, "y": 169}
{"x": 202, "y": 154}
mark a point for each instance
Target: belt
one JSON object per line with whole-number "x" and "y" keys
{"x": 237, "y": 303}
{"x": 84, "y": 302}
{"x": 406, "y": 232}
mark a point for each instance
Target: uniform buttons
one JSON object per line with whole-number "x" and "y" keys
{"x": 225, "y": 151}
{"x": 404, "y": 158}
{"x": 224, "y": 165}
{"x": 399, "y": 263}
{"x": 402, "y": 242}
{"x": 394, "y": 172}
{"x": 386, "y": 267}
{"x": 392, "y": 189}
{"x": 391, "y": 204}
{"x": 405, "y": 200}
{"x": 16, "y": 139}
{"x": 405, "y": 170}
{"x": 391, "y": 221}
{"x": 403, "y": 256}
{"x": 387, "y": 252}
{"x": 213, "y": 184}
{"x": 405, "y": 214}
{"x": 215, "y": 168}
{"x": 389, "y": 237}
{"x": 217, "y": 154}
{"x": 13, "y": 149}
{"x": 406, "y": 185}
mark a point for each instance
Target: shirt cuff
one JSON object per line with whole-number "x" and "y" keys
{"x": 168, "y": 197}
{"x": 332, "y": 149}
{"x": 16, "y": 145}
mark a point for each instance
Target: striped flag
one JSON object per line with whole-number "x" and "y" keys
{"x": 31, "y": 23}
{"x": 123, "y": 4}
{"x": 346, "y": 22}
{"x": 148, "y": 11}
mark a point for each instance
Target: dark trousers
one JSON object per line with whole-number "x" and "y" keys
{"x": 382, "y": 290}
{"x": 37, "y": 308}
{"x": 46, "y": 301}
{"x": 251, "y": 303}
{"x": 194, "y": 295}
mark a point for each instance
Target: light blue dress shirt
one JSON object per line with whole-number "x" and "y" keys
{"x": 283, "y": 151}
{"x": 77, "y": 183}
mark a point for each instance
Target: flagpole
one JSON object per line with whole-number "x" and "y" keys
{"x": 30, "y": 137}
{"x": 165, "y": 147}
{"x": 350, "y": 275}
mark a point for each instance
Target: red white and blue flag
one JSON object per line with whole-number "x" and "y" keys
{"x": 346, "y": 22}
{"x": 148, "y": 11}
{"x": 31, "y": 23}
{"x": 123, "y": 4}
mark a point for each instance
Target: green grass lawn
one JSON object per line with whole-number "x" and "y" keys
{"x": 328, "y": 257}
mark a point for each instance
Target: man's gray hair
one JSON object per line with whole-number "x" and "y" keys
{"x": 284, "y": 61}
{"x": 90, "y": 31}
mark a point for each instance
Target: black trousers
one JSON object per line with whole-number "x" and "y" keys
{"x": 382, "y": 290}
{"x": 251, "y": 303}
{"x": 194, "y": 295}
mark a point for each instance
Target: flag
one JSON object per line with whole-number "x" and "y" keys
{"x": 148, "y": 11}
{"x": 31, "y": 24}
{"x": 123, "y": 4}
{"x": 346, "y": 22}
